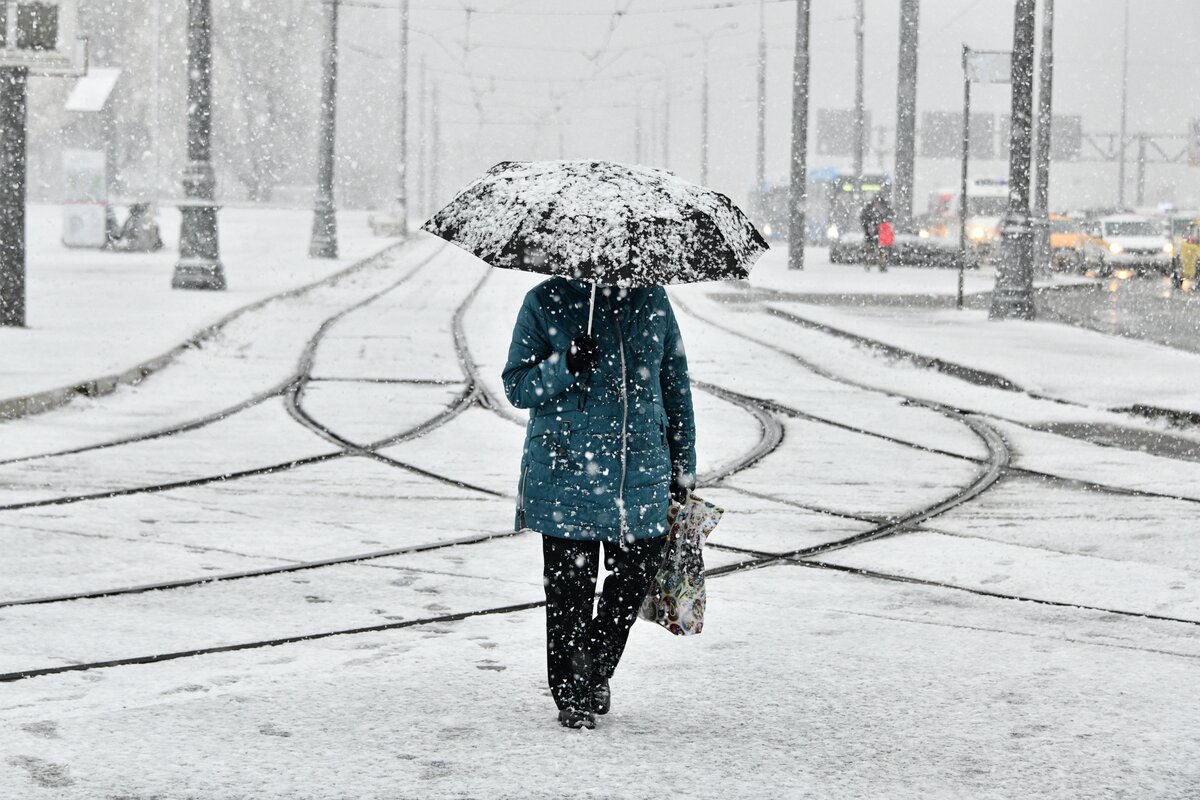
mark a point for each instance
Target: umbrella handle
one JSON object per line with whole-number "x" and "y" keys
{"x": 592, "y": 308}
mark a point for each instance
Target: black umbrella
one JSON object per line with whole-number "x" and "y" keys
{"x": 598, "y": 221}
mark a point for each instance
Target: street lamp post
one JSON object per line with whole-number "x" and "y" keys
{"x": 1013, "y": 295}
{"x": 860, "y": 111}
{"x": 666, "y": 110}
{"x": 906, "y": 114}
{"x": 402, "y": 128}
{"x": 323, "y": 243}
{"x": 1124, "y": 110}
{"x": 760, "y": 149}
{"x": 798, "y": 189}
{"x": 199, "y": 265}
{"x": 1041, "y": 196}
{"x": 705, "y": 37}
{"x": 13, "y": 113}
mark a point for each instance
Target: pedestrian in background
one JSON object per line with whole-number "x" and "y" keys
{"x": 876, "y": 219}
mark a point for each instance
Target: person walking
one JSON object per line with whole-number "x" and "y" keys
{"x": 610, "y": 439}
{"x": 874, "y": 214}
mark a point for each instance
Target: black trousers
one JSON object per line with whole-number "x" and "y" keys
{"x": 582, "y": 650}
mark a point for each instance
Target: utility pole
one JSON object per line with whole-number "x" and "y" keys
{"x": 323, "y": 243}
{"x": 964, "y": 175}
{"x": 704, "y": 122}
{"x": 1041, "y": 197}
{"x": 637, "y": 126}
{"x": 1013, "y": 295}
{"x": 13, "y": 104}
{"x": 1141, "y": 169}
{"x": 402, "y": 128}
{"x": 906, "y": 114}
{"x": 666, "y": 110}
{"x": 798, "y": 188}
{"x": 860, "y": 111}
{"x": 422, "y": 142}
{"x": 666, "y": 132}
{"x": 705, "y": 37}
{"x": 760, "y": 164}
{"x": 435, "y": 154}
{"x": 1124, "y": 111}
{"x": 199, "y": 265}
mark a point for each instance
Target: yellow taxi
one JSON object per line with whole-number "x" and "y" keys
{"x": 1187, "y": 253}
{"x": 1066, "y": 242}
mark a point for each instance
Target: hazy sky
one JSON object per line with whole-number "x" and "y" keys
{"x": 530, "y": 69}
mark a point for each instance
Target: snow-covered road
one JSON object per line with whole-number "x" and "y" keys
{"x": 282, "y": 567}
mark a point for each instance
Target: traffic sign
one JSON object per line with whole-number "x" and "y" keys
{"x": 42, "y": 36}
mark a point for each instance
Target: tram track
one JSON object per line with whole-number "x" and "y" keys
{"x": 766, "y": 412}
{"x": 771, "y": 436}
{"x": 292, "y": 392}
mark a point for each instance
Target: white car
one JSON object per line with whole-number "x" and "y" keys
{"x": 1126, "y": 242}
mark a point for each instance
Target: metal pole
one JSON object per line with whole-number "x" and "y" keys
{"x": 435, "y": 143}
{"x": 1013, "y": 296}
{"x": 199, "y": 265}
{"x": 906, "y": 114}
{"x": 859, "y": 106}
{"x": 637, "y": 126}
{"x": 760, "y": 163}
{"x": 1045, "y": 121}
{"x": 666, "y": 144}
{"x": 324, "y": 228}
{"x": 962, "y": 186}
{"x": 704, "y": 120}
{"x": 402, "y": 128}
{"x": 798, "y": 189}
{"x": 13, "y": 83}
{"x": 1124, "y": 111}
{"x": 1141, "y": 169}
{"x": 422, "y": 145}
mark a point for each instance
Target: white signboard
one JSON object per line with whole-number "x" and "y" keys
{"x": 85, "y": 198}
{"x": 91, "y": 91}
{"x": 989, "y": 66}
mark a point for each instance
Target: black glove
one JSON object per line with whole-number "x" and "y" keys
{"x": 681, "y": 486}
{"x": 581, "y": 355}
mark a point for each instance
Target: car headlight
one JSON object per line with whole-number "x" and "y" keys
{"x": 767, "y": 229}
{"x": 832, "y": 232}
{"x": 976, "y": 234}
{"x": 1116, "y": 248}
{"x": 923, "y": 233}
{"x": 1168, "y": 248}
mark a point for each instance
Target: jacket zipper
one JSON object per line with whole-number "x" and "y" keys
{"x": 524, "y": 477}
{"x": 624, "y": 419}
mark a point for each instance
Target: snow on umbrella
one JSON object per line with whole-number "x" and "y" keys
{"x": 599, "y": 221}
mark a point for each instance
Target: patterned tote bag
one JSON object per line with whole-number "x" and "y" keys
{"x": 676, "y": 595}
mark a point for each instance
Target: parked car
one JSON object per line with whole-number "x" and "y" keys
{"x": 1126, "y": 241}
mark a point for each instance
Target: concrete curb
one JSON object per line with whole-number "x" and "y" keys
{"x": 29, "y": 405}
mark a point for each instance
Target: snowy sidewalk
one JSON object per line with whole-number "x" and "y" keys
{"x": 1048, "y": 359}
{"x": 95, "y": 315}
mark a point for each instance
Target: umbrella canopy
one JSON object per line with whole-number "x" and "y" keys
{"x": 612, "y": 224}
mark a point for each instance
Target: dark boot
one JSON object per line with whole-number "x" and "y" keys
{"x": 576, "y": 718}
{"x": 601, "y": 697}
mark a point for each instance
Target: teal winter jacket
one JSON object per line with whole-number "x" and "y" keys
{"x": 600, "y": 452}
